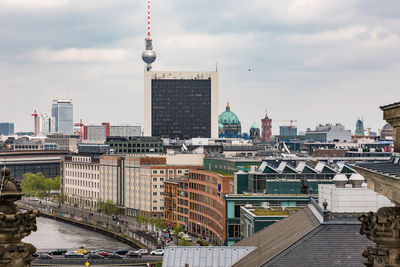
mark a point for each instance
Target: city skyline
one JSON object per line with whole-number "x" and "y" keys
{"x": 304, "y": 51}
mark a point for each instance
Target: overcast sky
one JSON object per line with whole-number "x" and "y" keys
{"x": 312, "y": 61}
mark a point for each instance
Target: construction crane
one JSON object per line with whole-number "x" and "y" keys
{"x": 35, "y": 122}
{"x": 290, "y": 125}
{"x": 80, "y": 124}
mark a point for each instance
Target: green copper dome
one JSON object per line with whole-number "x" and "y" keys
{"x": 220, "y": 126}
{"x": 228, "y": 117}
{"x": 254, "y": 126}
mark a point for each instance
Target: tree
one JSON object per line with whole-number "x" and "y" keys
{"x": 160, "y": 224}
{"x": 37, "y": 184}
{"x": 109, "y": 207}
{"x": 141, "y": 219}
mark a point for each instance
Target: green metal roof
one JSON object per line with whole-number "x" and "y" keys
{"x": 254, "y": 126}
{"x": 228, "y": 117}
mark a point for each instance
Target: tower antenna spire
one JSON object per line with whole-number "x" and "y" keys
{"x": 148, "y": 55}
{"x": 148, "y": 20}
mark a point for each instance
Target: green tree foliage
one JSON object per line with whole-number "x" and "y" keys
{"x": 36, "y": 184}
{"x": 141, "y": 219}
{"x": 178, "y": 228}
{"x": 109, "y": 207}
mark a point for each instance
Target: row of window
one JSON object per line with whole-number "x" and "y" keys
{"x": 76, "y": 182}
{"x": 82, "y": 192}
{"x": 82, "y": 174}
{"x": 82, "y": 166}
{"x": 135, "y": 145}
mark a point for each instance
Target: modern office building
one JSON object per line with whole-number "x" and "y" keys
{"x": 46, "y": 124}
{"x": 135, "y": 144}
{"x": 329, "y": 133}
{"x": 181, "y": 104}
{"x": 288, "y": 130}
{"x": 20, "y": 162}
{"x": 360, "y": 128}
{"x": 99, "y": 133}
{"x": 62, "y": 111}
{"x": 6, "y": 128}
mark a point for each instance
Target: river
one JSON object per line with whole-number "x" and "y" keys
{"x": 53, "y": 234}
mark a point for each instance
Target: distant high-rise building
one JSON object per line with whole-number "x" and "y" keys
{"x": 360, "y": 127}
{"x": 266, "y": 125}
{"x": 62, "y": 111}
{"x": 288, "y": 130}
{"x": 6, "y": 128}
{"x": 47, "y": 124}
{"x": 181, "y": 104}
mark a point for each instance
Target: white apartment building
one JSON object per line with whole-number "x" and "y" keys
{"x": 136, "y": 182}
{"x": 81, "y": 180}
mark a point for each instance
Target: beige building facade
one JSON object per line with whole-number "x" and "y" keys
{"x": 81, "y": 180}
{"x": 137, "y": 182}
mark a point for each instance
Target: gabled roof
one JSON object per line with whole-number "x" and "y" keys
{"x": 204, "y": 256}
{"x": 305, "y": 168}
{"x": 322, "y": 167}
{"x": 265, "y": 167}
{"x": 308, "y": 237}
{"x": 327, "y": 245}
{"x": 344, "y": 168}
{"x": 278, "y": 237}
{"x": 284, "y": 167}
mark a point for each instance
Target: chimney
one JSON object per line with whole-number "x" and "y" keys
{"x": 340, "y": 180}
{"x": 356, "y": 180}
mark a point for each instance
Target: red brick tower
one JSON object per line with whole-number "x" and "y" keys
{"x": 266, "y": 125}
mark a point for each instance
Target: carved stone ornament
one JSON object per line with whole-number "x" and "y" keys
{"x": 14, "y": 225}
{"x": 383, "y": 228}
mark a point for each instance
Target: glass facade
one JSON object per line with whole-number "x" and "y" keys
{"x": 6, "y": 128}
{"x": 181, "y": 108}
{"x": 62, "y": 111}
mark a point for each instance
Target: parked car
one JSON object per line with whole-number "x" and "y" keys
{"x": 103, "y": 253}
{"x": 142, "y": 251}
{"x": 73, "y": 254}
{"x": 45, "y": 256}
{"x": 82, "y": 251}
{"x": 95, "y": 256}
{"x": 133, "y": 254}
{"x": 35, "y": 255}
{"x": 59, "y": 251}
{"x": 121, "y": 251}
{"x": 157, "y": 252}
{"x": 115, "y": 256}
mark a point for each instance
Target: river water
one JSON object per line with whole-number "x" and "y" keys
{"x": 53, "y": 234}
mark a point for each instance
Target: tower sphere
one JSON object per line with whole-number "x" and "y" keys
{"x": 149, "y": 56}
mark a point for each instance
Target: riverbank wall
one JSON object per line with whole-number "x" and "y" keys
{"x": 135, "y": 238}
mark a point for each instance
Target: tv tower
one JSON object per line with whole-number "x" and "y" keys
{"x": 148, "y": 55}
